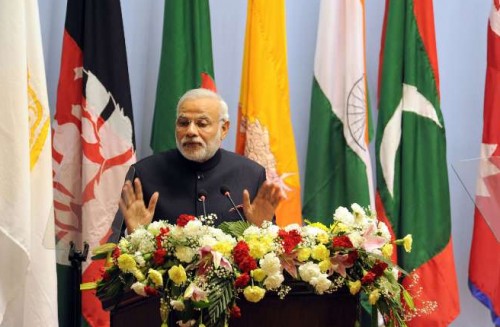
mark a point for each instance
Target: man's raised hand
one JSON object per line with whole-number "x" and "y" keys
{"x": 265, "y": 203}
{"x": 133, "y": 208}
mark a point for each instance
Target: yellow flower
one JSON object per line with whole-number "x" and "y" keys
{"x": 373, "y": 297}
{"x": 323, "y": 238}
{"x": 387, "y": 250}
{"x": 257, "y": 249}
{"x": 303, "y": 254}
{"x": 126, "y": 263}
{"x": 223, "y": 247}
{"x": 320, "y": 226}
{"x": 320, "y": 252}
{"x": 339, "y": 228}
{"x": 258, "y": 274}
{"x": 254, "y": 293}
{"x": 138, "y": 275}
{"x": 177, "y": 274}
{"x": 156, "y": 277}
{"x": 354, "y": 287}
{"x": 324, "y": 265}
{"x": 407, "y": 242}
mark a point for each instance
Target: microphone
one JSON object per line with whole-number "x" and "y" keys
{"x": 224, "y": 190}
{"x": 202, "y": 197}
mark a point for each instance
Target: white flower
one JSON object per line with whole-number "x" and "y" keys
{"x": 123, "y": 244}
{"x": 251, "y": 231}
{"x": 184, "y": 253}
{"x": 193, "y": 228}
{"x": 147, "y": 246}
{"x": 138, "y": 288}
{"x": 274, "y": 281}
{"x": 177, "y": 305}
{"x": 155, "y": 226}
{"x": 358, "y": 210}
{"x": 291, "y": 227}
{"x": 384, "y": 231}
{"x": 270, "y": 264}
{"x": 356, "y": 239}
{"x": 344, "y": 216}
{"x": 207, "y": 240}
{"x": 308, "y": 271}
{"x": 139, "y": 259}
{"x": 321, "y": 283}
{"x": 138, "y": 236}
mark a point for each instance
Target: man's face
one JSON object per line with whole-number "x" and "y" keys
{"x": 199, "y": 130}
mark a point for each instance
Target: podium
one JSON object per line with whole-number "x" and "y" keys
{"x": 300, "y": 308}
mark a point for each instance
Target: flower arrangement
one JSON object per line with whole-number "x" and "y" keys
{"x": 199, "y": 271}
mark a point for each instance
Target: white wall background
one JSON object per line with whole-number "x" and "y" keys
{"x": 461, "y": 42}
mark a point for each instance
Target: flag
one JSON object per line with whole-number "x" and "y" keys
{"x": 93, "y": 138}
{"x": 264, "y": 131}
{"x": 28, "y": 285}
{"x": 412, "y": 176}
{"x": 186, "y": 63}
{"x": 338, "y": 168}
{"x": 484, "y": 265}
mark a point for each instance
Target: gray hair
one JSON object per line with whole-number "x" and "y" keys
{"x": 201, "y": 93}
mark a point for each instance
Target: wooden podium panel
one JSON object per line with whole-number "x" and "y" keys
{"x": 300, "y": 308}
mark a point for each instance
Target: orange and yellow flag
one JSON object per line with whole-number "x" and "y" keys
{"x": 264, "y": 126}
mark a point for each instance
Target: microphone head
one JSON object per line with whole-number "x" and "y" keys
{"x": 224, "y": 189}
{"x": 202, "y": 195}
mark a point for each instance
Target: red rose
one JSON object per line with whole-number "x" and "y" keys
{"x": 116, "y": 253}
{"x": 290, "y": 239}
{"x": 368, "y": 278}
{"x": 184, "y": 219}
{"x": 242, "y": 280}
{"x": 352, "y": 256}
{"x": 235, "y": 312}
{"x": 150, "y": 290}
{"x": 240, "y": 252}
{"x": 159, "y": 256}
{"x": 342, "y": 242}
{"x": 248, "y": 264}
{"x": 378, "y": 268}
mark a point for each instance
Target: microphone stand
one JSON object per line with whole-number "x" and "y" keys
{"x": 76, "y": 257}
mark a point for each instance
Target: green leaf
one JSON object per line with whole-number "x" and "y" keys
{"x": 104, "y": 249}
{"x": 408, "y": 299}
{"x": 220, "y": 299}
{"x": 88, "y": 286}
{"x": 234, "y": 228}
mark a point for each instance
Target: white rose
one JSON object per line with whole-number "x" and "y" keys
{"x": 356, "y": 239}
{"x": 139, "y": 259}
{"x": 147, "y": 246}
{"x": 138, "y": 288}
{"x": 177, "y": 305}
{"x": 344, "y": 216}
{"x": 384, "y": 231}
{"x": 274, "y": 281}
{"x": 184, "y": 253}
{"x": 270, "y": 264}
{"x": 308, "y": 271}
{"x": 321, "y": 283}
{"x": 193, "y": 227}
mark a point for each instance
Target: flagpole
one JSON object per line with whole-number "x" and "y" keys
{"x": 76, "y": 257}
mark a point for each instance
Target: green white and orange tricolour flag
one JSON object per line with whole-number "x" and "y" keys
{"x": 28, "y": 286}
{"x": 412, "y": 175}
{"x": 338, "y": 170}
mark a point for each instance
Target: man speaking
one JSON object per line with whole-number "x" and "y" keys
{"x": 198, "y": 173}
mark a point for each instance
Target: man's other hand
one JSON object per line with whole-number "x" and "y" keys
{"x": 133, "y": 208}
{"x": 265, "y": 203}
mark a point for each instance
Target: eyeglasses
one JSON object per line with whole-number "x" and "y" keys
{"x": 201, "y": 123}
